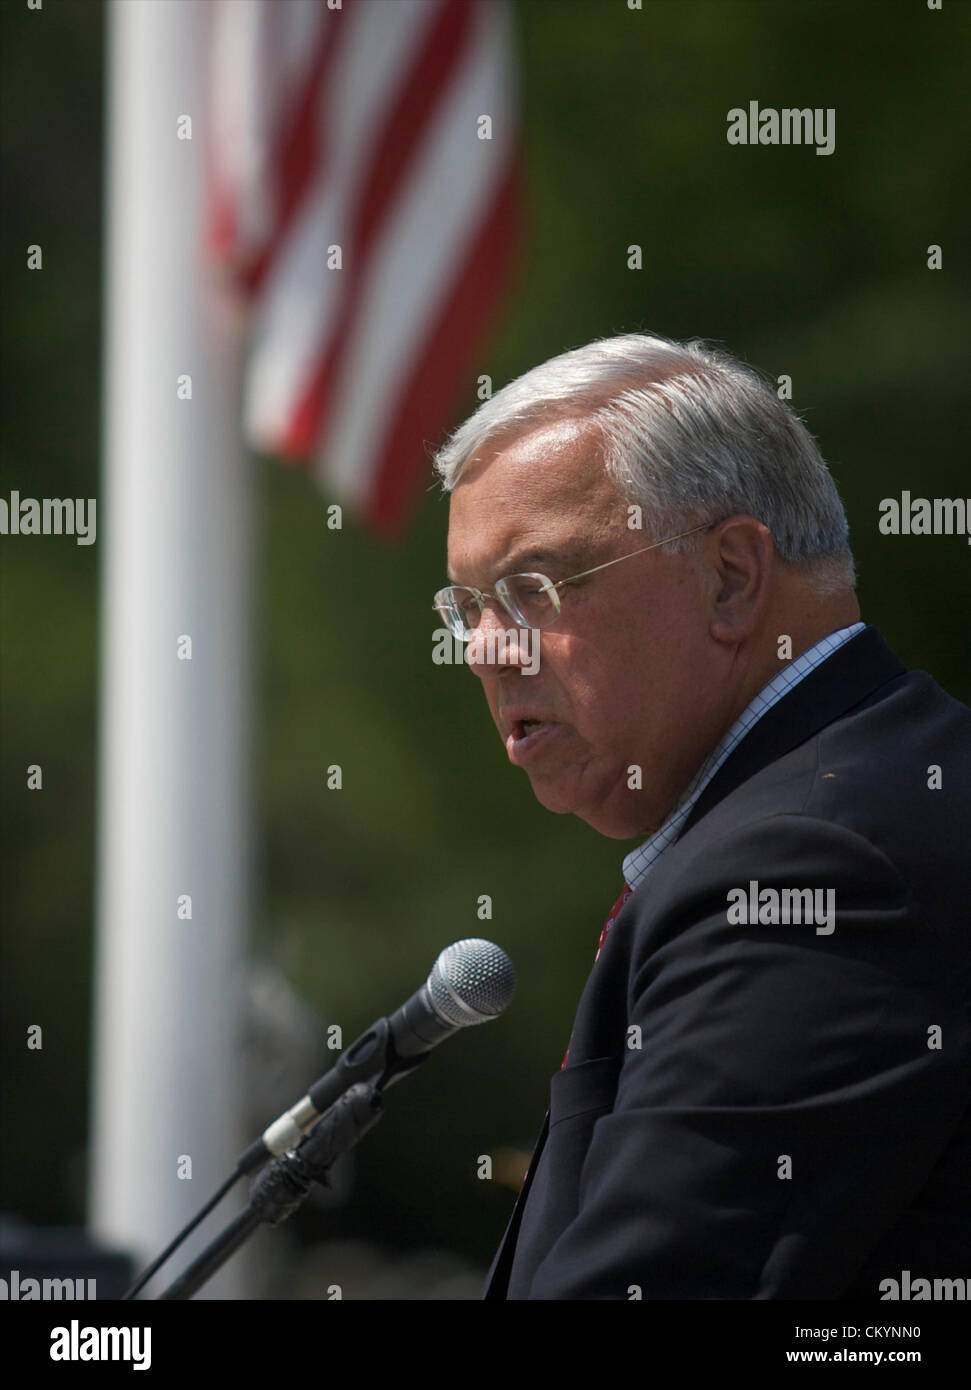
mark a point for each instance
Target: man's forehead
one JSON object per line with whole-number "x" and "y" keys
{"x": 542, "y": 495}
{"x": 560, "y": 452}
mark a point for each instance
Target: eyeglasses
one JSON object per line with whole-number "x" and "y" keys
{"x": 531, "y": 600}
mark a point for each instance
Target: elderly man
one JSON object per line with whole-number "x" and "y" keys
{"x": 766, "y": 1092}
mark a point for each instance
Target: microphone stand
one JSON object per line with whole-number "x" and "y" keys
{"x": 372, "y": 1062}
{"x": 471, "y": 981}
{"x": 280, "y": 1188}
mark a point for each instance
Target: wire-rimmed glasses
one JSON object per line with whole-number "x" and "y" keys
{"x": 531, "y": 600}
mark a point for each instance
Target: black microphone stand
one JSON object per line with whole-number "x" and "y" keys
{"x": 278, "y": 1190}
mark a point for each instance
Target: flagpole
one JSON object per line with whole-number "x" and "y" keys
{"x": 175, "y": 689}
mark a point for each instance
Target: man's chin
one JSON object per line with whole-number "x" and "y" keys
{"x": 614, "y": 827}
{"x": 613, "y": 821}
{"x": 552, "y": 798}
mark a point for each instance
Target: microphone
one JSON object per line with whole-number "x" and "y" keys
{"x": 471, "y": 982}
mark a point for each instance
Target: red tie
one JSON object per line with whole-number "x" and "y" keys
{"x": 611, "y": 919}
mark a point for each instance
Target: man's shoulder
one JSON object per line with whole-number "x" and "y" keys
{"x": 861, "y": 708}
{"x": 872, "y": 808}
{"x": 904, "y": 750}
{"x": 895, "y": 748}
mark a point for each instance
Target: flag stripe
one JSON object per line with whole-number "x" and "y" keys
{"x": 420, "y": 253}
{"x": 301, "y": 154}
{"x": 301, "y": 301}
{"x": 438, "y": 372}
{"x": 369, "y": 220}
{"x": 397, "y": 143}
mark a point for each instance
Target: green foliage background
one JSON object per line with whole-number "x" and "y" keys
{"x": 806, "y": 265}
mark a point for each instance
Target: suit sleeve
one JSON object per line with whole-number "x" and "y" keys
{"x": 781, "y": 1098}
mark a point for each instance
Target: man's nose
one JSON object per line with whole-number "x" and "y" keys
{"x": 496, "y": 644}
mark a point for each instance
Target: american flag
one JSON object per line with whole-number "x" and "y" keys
{"x": 363, "y": 191}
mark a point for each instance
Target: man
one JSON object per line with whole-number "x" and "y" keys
{"x": 766, "y": 1092}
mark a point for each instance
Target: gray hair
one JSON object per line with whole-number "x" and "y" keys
{"x": 690, "y": 434}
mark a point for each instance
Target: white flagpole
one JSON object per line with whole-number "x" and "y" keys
{"x": 174, "y": 747}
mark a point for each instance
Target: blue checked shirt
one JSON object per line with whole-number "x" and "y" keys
{"x": 640, "y": 861}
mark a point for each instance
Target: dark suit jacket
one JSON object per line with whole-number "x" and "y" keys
{"x": 795, "y": 1121}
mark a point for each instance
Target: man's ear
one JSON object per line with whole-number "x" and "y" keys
{"x": 741, "y": 558}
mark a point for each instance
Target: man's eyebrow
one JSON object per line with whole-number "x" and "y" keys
{"x": 519, "y": 561}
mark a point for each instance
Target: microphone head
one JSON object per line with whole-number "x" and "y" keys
{"x": 471, "y": 982}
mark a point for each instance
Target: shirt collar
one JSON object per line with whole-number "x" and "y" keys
{"x": 639, "y": 862}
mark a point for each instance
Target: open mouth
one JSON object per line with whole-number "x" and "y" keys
{"x": 525, "y": 727}
{"x": 529, "y": 736}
